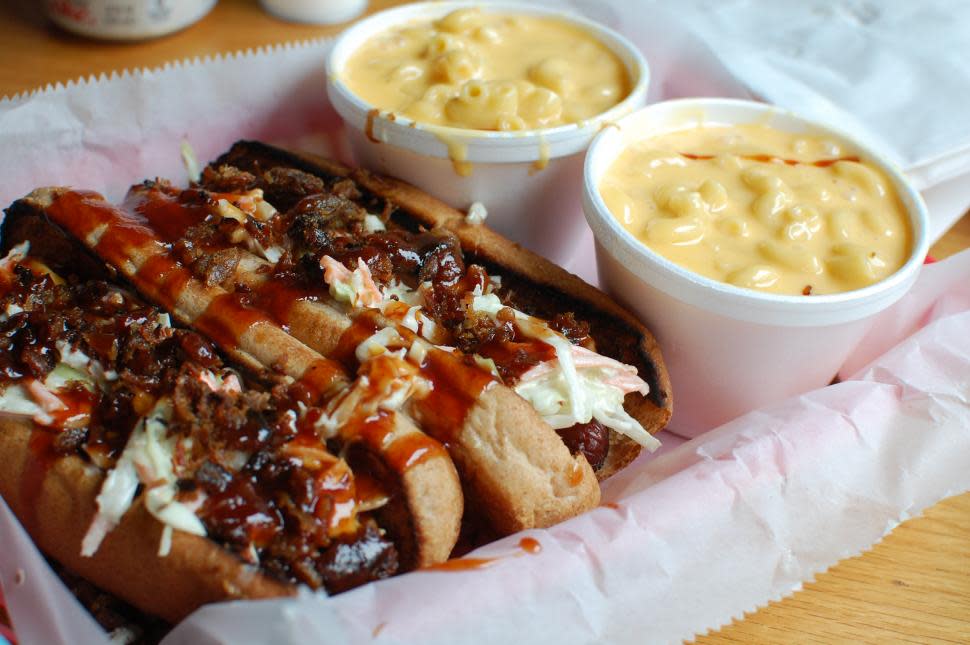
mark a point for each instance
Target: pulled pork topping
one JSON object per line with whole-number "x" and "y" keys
{"x": 329, "y": 235}
{"x": 121, "y": 387}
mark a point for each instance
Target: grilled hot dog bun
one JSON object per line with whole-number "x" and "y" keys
{"x": 389, "y": 503}
{"x": 544, "y": 289}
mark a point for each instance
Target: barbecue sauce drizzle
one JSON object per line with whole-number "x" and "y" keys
{"x": 161, "y": 278}
{"x": 168, "y": 214}
{"x": 227, "y": 317}
{"x": 333, "y": 499}
{"x": 455, "y": 387}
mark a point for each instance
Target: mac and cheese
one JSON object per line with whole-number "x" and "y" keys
{"x": 761, "y": 208}
{"x": 486, "y": 71}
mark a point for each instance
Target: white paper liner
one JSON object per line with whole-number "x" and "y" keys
{"x": 711, "y": 529}
{"x": 714, "y": 528}
{"x": 110, "y": 132}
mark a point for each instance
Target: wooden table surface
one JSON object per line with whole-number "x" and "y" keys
{"x": 914, "y": 587}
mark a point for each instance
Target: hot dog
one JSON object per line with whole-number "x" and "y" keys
{"x": 272, "y": 260}
{"x": 141, "y": 460}
{"x": 528, "y": 282}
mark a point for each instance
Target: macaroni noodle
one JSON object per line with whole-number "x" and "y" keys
{"x": 760, "y": 208}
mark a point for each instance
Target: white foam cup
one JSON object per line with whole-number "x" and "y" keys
{"x": 537, "y": 208}
{"x": 730, "y": 350}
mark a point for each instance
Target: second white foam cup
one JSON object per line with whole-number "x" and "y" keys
{"x": 731, "y": 350}
{"x": 537, "y": 208}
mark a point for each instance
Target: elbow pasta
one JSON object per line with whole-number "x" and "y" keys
{"x": 461, "y": 21}
{"x": 855, "y": 264}
{"x": 715, "y": 194}
{"x": 860, "y": 175}
{"x": 553, "y": 74}
{"x": 558, "y": 73}
{"x": 768, "y": 206}
{"x": 680, "y": 231}
{"x": 791, "y": 256}
{"x": 753, "y": 207}
{"x": 734, "y": 226}
{"x": 456, "y": 67}
{"x": 756, "y": 276}
{"x": 540, "y": 106}
{"x": 481, "y": 105}
{"x": 877, "y": 222}
{"x": 685, "y": 203}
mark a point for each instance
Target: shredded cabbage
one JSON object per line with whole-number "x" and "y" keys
{"x": 476, "y": 213}
{"x": 190, "y": 161}
{"x": 15, "y": 400}
{"x": 148, "y": 459}
{"x": 14, "y": 256}
{"x": 37, "y": 399}
{"x": 568, "y": 391}
{"x": 373, "y": 224}
{"x": 355, "y": 288}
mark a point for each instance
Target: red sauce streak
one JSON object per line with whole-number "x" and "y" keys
{"x": 319, "y": 379}
{"x": 335, "y": 482}
{"x": 364, "y": 326}
{"x": 278, "y": 295}
{"x": 160, "y": 278}
{"x": 82, "y": 212}
{"x": 367, "y": 488}
{"x": 530, "y": 545}
{"x": 404, "y": 452}
{"x": 576, "y": 476}
{"x": 463, "y": 564}
{"x": 171, "y": 218}
{"x": 455, "y": 388}
{"x": 332, "y": 481}
{"x": 242, "y": 509}
{"x": 6, "y": 282}
{"x": 226, "y": 319}
{"x": 612, "y": 505}
{"x": 821, "y": 163}
{"x": 412, "y": 449}
{"x": 166, "y": 277}
{"x": 164, "y": 212}
{"x": 516, "y": 358}
{"x": 79, "y": 404}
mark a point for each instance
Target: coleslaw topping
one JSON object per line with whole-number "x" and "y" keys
{"x": 148, "y": 459}
{"x": 579, "y": 385}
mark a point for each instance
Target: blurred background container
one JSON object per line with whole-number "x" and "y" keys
{"x": 126, "y": 19}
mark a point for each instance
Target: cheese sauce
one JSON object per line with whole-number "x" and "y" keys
{"x": 485, "y": 71}
{"x": 761, "y": 208}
